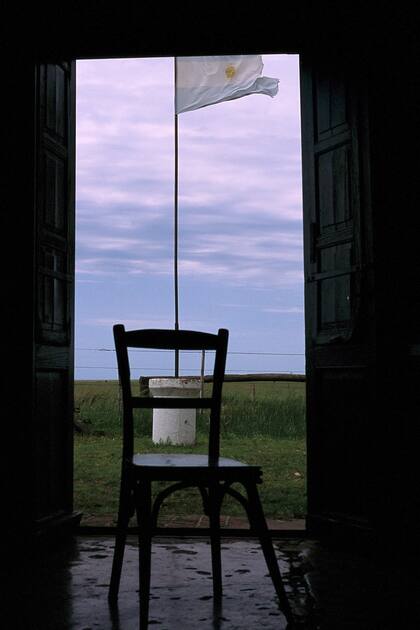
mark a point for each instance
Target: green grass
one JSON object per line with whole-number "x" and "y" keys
{"x": 262, "y": 423}
{"x": 249, "y": 409}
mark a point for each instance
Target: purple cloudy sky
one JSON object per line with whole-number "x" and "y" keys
{"x": 240, "y": 212}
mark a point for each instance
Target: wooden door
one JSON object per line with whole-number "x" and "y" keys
{"x": 338, "y": 302}
{"x": 54, "y": 288}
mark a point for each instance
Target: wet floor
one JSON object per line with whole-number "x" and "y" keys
{"x": 67, "y": 590}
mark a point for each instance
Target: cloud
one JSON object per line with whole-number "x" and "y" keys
{"x": 144, "y": 322}
{"x": 247, "y": 275}
{"x": 121, "y": 267}
{"x": 103, "y": 242}
{"x": 240, "y": 205}
{"x": 284, "y": 309}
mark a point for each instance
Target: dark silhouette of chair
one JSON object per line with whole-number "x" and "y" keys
{"x": 211, "y": 474}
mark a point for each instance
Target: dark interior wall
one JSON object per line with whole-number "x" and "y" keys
{"x": 58, "y": 30}
{"x": 17, "y": 230}
{"x": 394, "y": 122}
{"x": 386, "y": 49}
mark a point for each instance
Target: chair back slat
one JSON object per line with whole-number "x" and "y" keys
{"x": 162, "y": 339}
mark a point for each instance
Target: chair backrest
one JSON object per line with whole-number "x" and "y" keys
{"x": 170, "y": 340}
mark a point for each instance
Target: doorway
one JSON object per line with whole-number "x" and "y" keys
{"x": 241, "y": 253}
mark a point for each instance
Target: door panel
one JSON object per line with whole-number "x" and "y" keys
{"x": 339, "y": 328}
{"x": 343, "y": 424}
{"x": 55, "y": 163}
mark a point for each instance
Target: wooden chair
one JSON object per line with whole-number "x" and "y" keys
{"x": 211, "y": 474}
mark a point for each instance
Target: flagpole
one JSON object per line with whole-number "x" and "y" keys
{"x": 176, "y": 292}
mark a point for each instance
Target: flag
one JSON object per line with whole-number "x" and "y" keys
{"x": 202, "y": 81}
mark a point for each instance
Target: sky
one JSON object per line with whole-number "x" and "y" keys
{"x": 240, "y": 218}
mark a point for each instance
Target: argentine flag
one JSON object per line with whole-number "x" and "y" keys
{"x": 203, "y": 81}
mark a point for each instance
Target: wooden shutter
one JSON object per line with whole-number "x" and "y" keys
{"x": 339, "y": 312}
{"x": 54, "y": 282}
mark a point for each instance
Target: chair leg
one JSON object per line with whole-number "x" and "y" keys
{"x": 258, "y": 522}
{"x": 214, "y": 517}
{"x": 144, "y": 521}
{"x": 117, "y": 562}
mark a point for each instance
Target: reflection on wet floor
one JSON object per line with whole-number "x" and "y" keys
{"x": 67, "y": 590}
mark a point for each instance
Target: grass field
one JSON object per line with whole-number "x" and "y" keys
{"x": 262, "y": 423}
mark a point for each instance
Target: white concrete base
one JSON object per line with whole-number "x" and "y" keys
{"x": 174, "y": 426}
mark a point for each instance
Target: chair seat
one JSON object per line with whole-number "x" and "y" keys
{"x": 172, "y": 465}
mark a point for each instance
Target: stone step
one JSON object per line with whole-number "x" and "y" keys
{"x": 196, "y": 520}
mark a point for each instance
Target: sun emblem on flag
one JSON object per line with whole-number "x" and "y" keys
{"x": 230, "y": 71}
